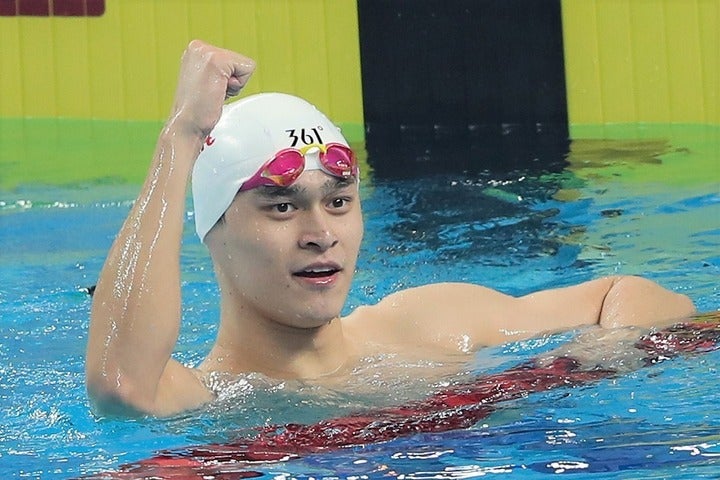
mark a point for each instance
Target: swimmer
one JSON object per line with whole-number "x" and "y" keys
{"x": 275, "y": 192}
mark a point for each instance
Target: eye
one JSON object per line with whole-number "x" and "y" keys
{"x": 338, "y": 202}
{"x": 283, "y": 207}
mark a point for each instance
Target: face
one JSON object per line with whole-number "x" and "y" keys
{"x": 288, "y": 254}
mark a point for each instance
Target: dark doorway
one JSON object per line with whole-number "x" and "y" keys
{"x": 462, "y": 84}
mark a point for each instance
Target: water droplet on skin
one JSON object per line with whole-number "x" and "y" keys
{"x": 127, "y": 279}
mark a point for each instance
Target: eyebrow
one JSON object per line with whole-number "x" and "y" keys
{"x": 293, "y": 191}
{"x": 270, "y": 191}
{"x": 335, "y": 183}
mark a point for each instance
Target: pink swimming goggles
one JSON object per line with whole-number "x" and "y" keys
{"x": 284, "y": 168}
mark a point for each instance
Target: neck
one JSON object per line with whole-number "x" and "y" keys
{"x": 253, "y": 343}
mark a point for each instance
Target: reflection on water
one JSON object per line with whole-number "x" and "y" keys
{"x": 603, "y": 152}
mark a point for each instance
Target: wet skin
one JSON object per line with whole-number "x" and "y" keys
{"x": 285, "y": 258}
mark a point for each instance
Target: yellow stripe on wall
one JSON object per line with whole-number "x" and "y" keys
{"x": 627, "y": 61}
{"x": 11, "y": 103}
{"x": 633, "y": 61}
{"x": 123, "y": 65}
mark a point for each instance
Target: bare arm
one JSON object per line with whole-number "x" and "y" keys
{"x": 136, "y": 310}
{"x": 466, "y": 317}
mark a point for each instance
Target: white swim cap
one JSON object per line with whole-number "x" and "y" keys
{"x": 249, "y": 133}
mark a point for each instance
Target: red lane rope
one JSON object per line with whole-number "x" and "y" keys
{"x": 451, "y": 409}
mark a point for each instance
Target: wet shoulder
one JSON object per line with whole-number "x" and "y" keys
{"x": 409, "y": 318}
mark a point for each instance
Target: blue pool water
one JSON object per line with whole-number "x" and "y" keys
{"x": 623, "y": 207}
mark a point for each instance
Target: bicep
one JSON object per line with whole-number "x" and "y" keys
{"x": 456, "y": 316}
{"x": 467, "y": 316}
{"x": 568, "y": 307}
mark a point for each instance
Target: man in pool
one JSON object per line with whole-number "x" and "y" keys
{"x": 284, "y": 243}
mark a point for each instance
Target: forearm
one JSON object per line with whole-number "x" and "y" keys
{"x": 137, "y": 303}
{"x": 637, "y": 301}
{"x": 631, "y": 307}
{"x": 610, "y": 302}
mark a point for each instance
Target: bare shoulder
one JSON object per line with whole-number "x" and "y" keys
{"x": 442, "y": 315}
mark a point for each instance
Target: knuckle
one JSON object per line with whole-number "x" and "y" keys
{"x": 196, "y": 44}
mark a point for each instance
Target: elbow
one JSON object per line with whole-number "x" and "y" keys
{"x": 114, "y": 394}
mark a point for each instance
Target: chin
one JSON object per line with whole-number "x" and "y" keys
{"x": 324, "y": 307}
{"x": 312, "y": 311}
{"x": 318, "y": 317}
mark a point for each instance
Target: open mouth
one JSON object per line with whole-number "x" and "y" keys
{"x": 320, "y": 272}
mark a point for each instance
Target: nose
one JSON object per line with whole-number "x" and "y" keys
{"x": 317, "y": 233}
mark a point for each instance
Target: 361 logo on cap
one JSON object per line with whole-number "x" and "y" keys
{"x": 307, "y": 136}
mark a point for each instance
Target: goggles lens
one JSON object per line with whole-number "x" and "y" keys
{"x": 286, "y": 166}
